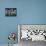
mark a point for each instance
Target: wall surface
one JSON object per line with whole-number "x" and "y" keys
{"x": 28, "y": 12}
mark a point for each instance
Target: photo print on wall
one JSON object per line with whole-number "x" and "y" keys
{"x": 10, "y": 11}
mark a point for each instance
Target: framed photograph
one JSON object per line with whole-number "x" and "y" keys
{"x": 10, "y": 11}
{"x": 33, "y": 32}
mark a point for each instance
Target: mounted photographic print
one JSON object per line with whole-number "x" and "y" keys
{"x": 10, "y": 11}
{"x": 32, "y": 32}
